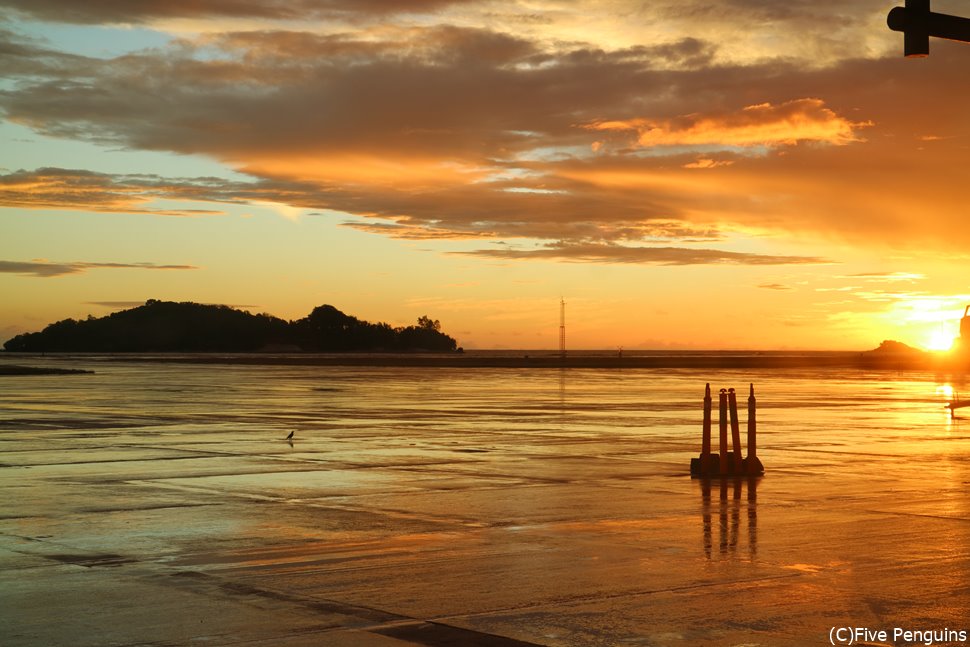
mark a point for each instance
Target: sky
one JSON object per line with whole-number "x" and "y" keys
{"x": 684, "y": 174}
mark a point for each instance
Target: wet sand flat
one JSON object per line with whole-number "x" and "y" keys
{"x": 149, "y": 505}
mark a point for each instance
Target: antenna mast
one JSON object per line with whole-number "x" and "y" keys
{"x": 562, "y": 327}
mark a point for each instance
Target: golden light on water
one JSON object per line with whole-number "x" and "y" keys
{"x": 945, "y": 391}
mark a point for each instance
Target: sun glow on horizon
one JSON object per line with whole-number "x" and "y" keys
{"x": 932, "y": 320}
{"x": 939, "y": 340}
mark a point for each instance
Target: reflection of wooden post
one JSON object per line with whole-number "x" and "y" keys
{"x": 918, "y": 23}
{"x": 753, "y": 517}
{"x": 735, "y": 431}
{"x": 722, "y": 428}
{"x": 723, "y": 517}
{"x": 736, "y": 515}
{"x": 706, "y": 507}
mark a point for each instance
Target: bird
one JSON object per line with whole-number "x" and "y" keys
{"x": 290, "y": 437}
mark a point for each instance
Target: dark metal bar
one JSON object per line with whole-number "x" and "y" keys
{"x": 918, "y": 23}
{"x": 950, "y": 27}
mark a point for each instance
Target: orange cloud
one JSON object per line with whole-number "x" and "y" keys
{"x": 763, "y": 124}
{"x": 387, "y": 171}
{"x": 706, "y": 162}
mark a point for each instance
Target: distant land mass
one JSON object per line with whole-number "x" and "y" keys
{"x": 185, "y": 327}
{"x": 894, "y": 354}
{"x": 199, "y": 333}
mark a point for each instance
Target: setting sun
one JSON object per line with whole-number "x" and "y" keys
{"x": 939, "y": 340}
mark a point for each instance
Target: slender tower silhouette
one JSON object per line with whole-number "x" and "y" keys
{"x": 562, "y": 327}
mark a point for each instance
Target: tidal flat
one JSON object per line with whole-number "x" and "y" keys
{"x": 160, "y": 503}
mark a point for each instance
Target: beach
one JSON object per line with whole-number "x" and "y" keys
{"x": 158, "y": 502}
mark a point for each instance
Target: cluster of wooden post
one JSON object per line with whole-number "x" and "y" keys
{"x": 727, "y": 463}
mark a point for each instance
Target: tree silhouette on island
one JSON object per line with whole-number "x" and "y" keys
{"x": 185, "y": 327}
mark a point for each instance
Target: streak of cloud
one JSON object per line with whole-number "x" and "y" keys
{"x": 47, "y": 269}
{"x": 75, "y": 189}
{"x": 137, "y": 11}
{"x": 774, "y": 286}
{"x": 116, "y": 305}
{"x": 887, "y": 276}
{"x": 607, "y": 253}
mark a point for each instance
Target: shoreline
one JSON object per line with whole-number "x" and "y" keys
{"x": 517, "y": 360}
{"x": 16, "y": 369}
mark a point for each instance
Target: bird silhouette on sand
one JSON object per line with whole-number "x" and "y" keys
{"x": 290, "y": 437}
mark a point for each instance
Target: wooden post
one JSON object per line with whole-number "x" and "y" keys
{"x": 752, "y": 464}
{"x": 733, "y": 462}
{"x": 735, "y": 431}
{"x": 705, "y": 461}
{"x": 752, "y": 426}
{"x": 722, "y": 427}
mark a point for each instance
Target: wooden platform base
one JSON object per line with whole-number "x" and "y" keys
{"x": 709, "y": 466}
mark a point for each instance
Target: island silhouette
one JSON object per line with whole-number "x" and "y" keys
{"x": 186, "y": 327}
{"x": 187, "y": 331}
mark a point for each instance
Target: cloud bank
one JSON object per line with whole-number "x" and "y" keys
{"x": 439, "y": 129}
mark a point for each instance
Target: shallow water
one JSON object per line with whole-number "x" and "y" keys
{"x": 549, "y": 506}
{"x": 890, "y": 414}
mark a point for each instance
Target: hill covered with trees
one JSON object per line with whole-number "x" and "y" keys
{"x": 185, "y": 327}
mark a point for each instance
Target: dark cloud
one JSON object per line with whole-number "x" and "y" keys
{"x": 690, "y": 52}
{"x": 516, "y": 209}
{"x": 810, "y": 12}
{"x": 46, "y": 269}
{"x": 21, "y": 56}
{"x": 466, "y": 94}
{"x": 137, "y": 11}
{"x": 447, "y": 132}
